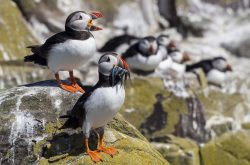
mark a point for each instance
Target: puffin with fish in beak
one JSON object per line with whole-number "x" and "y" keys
{"x": 97, "y": 106}
{"x": 68, "y": 50}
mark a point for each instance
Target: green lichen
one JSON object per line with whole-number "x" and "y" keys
{"x": 140, "y": 96}
{"x": 14, "y": 34}
{"x": 229, "y": 149}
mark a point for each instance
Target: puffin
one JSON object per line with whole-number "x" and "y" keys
{"x": 68, "y": 50}
{"x": 119, "y": 43}
{"x": 165, "y": 41}
{"x": 175, "y": 61}
{"x": 144, "y": 56}
{"x": 97, "y": 106}
{"x": 215, "y": 69}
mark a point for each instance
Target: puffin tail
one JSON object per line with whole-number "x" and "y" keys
{"x": 72, "y": 122}
{"x": 35, "y": 57}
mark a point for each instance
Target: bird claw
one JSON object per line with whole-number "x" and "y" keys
{"x": 68, "y": 88}
{"x": 109, "y": 150}
{"x": 94, "y": 155}
{"x": 78, "y": 88}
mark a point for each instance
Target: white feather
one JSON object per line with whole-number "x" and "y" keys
{"x": 169, "y": 66}
{"x": 146, "y": 63}
{"x": 71, "y": 54}
{"x": 102, "y": 106}
{"x": 216, "y": 77}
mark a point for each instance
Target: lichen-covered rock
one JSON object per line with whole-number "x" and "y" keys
{"x": 30, "y": 131}
{"x": 14, "y": 32}
{"x": 178, "y": 151}
{"x": 156, "y": 112}
{"x": 231, "y": 149}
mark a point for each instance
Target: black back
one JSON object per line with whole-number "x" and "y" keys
{"x": 205, "y": 65}
{"x": 115, "y": 42}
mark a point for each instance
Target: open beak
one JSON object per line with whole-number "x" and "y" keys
{"x": 185, "y": 57}
{"x": 94, "y": 15}
{"x": 172, "y": 44}
{"x": 229, "y": 68}
{"x": 151, "y": 50}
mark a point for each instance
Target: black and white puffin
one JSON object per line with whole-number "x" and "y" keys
{"x": 215, "y": 69}
{"x": 96, "y": 107}
{"x": 165, "y": 41}
{"x": 69, "y": 49}
{"x": 174, "y": 62}
{"x": 144, "y": 56}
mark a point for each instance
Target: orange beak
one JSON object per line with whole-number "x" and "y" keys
{"x": 185, "y": 57}
{"x": 96, "y": 15}
{"x": 172, "y": 44}
{"x": 229, "y": 68}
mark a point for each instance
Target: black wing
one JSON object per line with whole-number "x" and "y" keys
{"x": 205, "y": 65}
{"x": 131, "y": 51}
{"x": 115, "y": 42}
{"x": 77, "y": 115}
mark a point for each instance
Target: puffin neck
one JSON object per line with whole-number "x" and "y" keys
{"x": 105, "y": 81}
{"x": 80, "y": 34}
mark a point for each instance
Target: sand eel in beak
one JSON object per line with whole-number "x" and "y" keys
{"x": 69, "y": 49}
{"x": 144, "y": 56}
{"x": 215, "y": 69}
{"x": 96, "y": 107}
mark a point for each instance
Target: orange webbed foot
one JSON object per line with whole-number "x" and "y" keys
{"x": 94, "y": 155}
{"x": 68, "y": 88}
{"x": 78, "y": 88}
{"x": 109, "y": 150}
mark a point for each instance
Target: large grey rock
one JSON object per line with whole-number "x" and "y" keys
{"x": 30, "y": 132}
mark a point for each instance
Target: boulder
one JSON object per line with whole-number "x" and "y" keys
{"x": 232, "y": 148}
{"x": 30, "y": 131}
{"x": 178, "y": 151}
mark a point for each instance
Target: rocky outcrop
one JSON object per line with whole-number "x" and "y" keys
{"x": 14, "y": 32}
{"x": 178, "y": 151}
{"x": 30, "y": 131}
{"x": 231, "y": 148}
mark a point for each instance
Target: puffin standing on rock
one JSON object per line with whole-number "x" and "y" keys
{"x": 215, "y": 69}
{"x": 144, "y": 56}
{"x": 96, "y": 107}
{"x": 69, "y": 49}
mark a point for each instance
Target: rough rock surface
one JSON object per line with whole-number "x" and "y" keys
{"x": 30, "y": 134}
{"x": 178, "y": 151}
{"x": 231, "y": 149}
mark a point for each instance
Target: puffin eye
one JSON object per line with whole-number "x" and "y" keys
{"x": 80, "y": 17}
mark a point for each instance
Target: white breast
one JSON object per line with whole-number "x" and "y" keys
{"x": 103, "y": 105}
{"x": 71, "y": 54}
{"x": 145, "y": 63}
{"x": 216, "y": 77}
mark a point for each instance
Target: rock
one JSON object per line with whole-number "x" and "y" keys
{"x": 178, "y": 151}
{"x": 232, "y": 148}
{"x": 14, "y": 31}
{"x": 156, "y": 112}
{"x": 29, "y": 131}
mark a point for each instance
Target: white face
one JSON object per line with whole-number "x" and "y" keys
{"x": 164, "y": 41}
{"x": 220, "y": 64}
{"x": 176, "y": 56}
{"x": 80, "y": 21}
{"x": 148, "y": 47}
{"x": 106, "y": 64}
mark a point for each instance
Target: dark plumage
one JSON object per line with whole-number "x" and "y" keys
{"x": 115, "y": 42}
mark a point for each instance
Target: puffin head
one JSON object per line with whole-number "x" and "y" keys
{"x": 113, "y": 66}
{"x": 164, "y": 40}
{"x": 148, "y": 45}
{"x": 221, "y": 64}
{"x": 177, "y": 56}
{"x": 82, "y": 21}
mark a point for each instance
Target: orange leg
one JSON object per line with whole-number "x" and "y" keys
{"x": 74, "y": 84}
{"x": 66, "y": 87}
{"x": 94, "y": 155}
{"x": 108, "y": 150}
